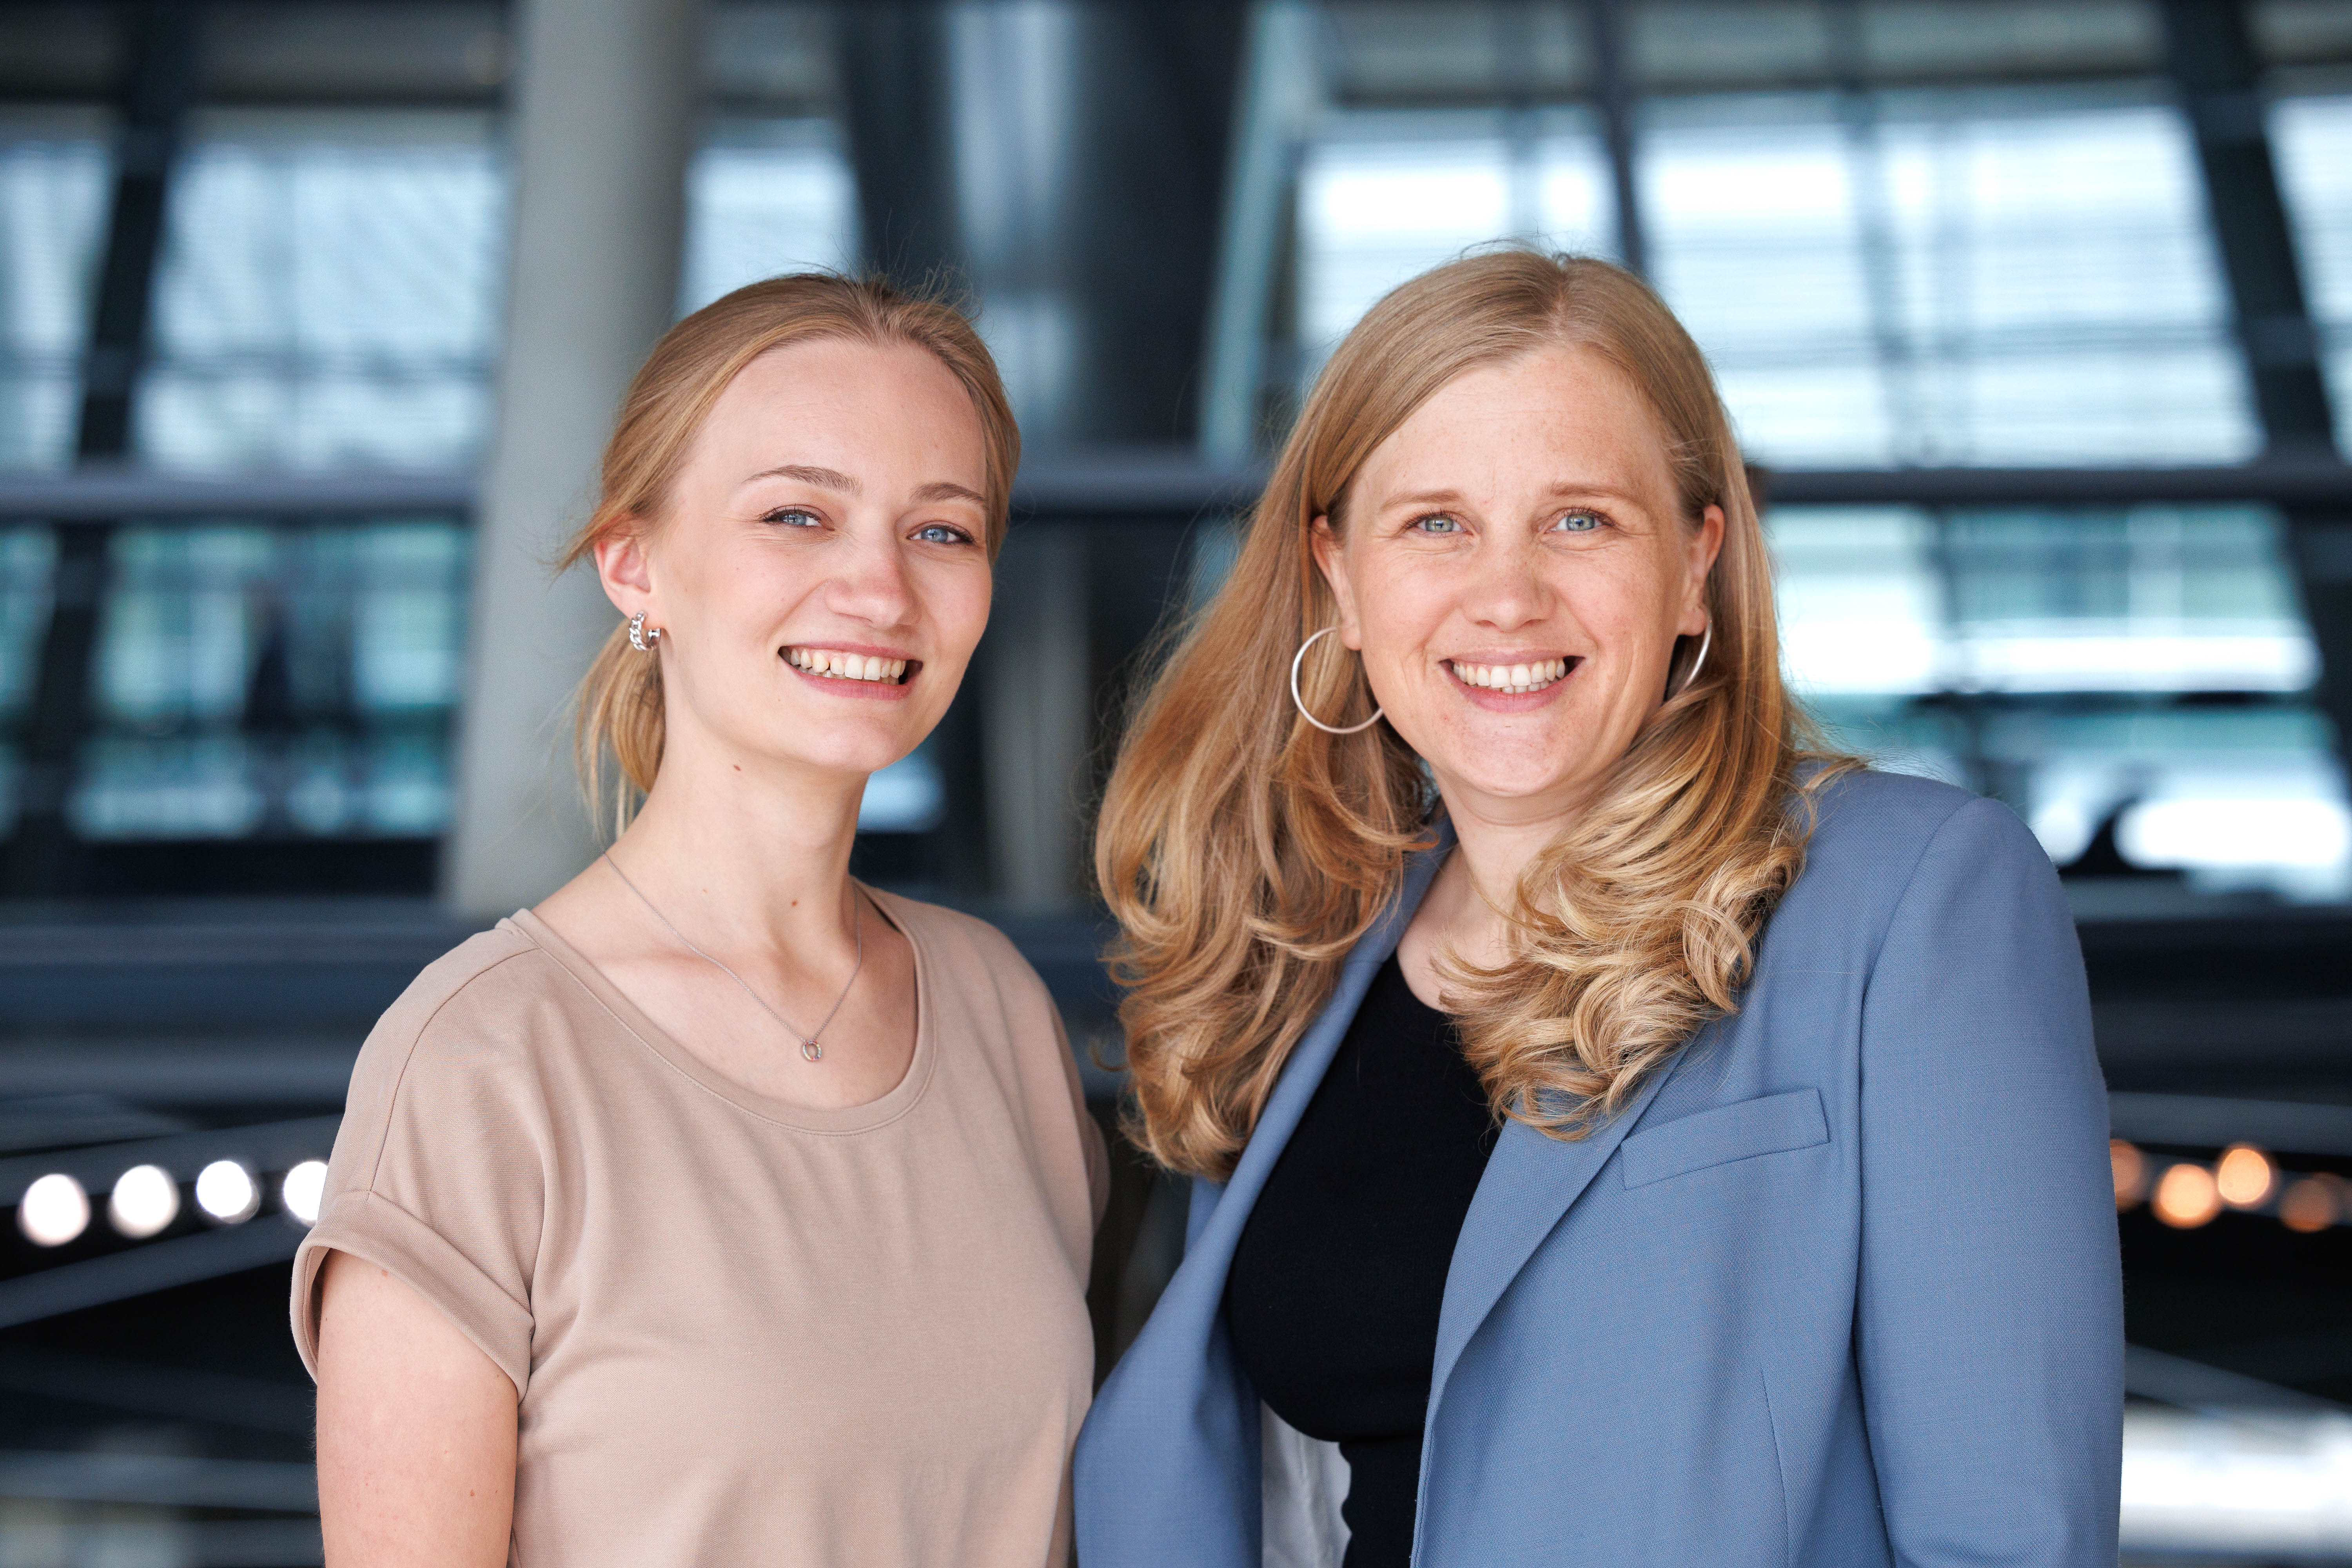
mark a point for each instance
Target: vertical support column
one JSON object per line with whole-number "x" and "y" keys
{"x": 2212, "y": 63}
{"x": 1613, "y": 78}
{"x": 1037, "y": 707}
{"x": 895, "y": 104}
{"x": 603, "y": 114}
{"x": 162, "y": 80}
{"x": 1280, "y": 91}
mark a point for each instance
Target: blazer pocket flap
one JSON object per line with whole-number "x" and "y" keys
{"x": 1771, "y": 1125}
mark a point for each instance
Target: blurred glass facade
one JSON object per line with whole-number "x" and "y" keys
{"x": 1915, "y": 246}
{"x": 327, "y": 299}
{"x": 56, "y": 168}
{"x": 1908, "y": 236}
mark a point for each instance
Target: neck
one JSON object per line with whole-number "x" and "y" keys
{"x": 1494, "y": 843}
{"x": 732, "y": 851}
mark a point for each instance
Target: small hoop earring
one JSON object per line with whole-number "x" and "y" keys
{"x": 1300, "y": 703}
{"x": 641, "y": 637}
{"x": 1706, "y": 636}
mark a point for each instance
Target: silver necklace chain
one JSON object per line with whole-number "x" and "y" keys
{"x": 809, "y": 1047}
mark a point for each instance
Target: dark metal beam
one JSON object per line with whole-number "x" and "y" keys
{"x": 895, "y": 104}
{"x": 2210, "y": 53}
{"x": 161, "y": 81}
{"x": 143, "y": 1270}
{"x": 1615, "y": 91}
{"x": 1119, "y": 484}
{"x": 153, "y": 1389}
{"x": 1154, "y": 121}
{"x": 105, "y": 493}
{"x": 165, "y": 1480}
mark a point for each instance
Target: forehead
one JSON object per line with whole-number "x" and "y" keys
{"x": 1559, "y": 415}
{"x": 832, "y": 400}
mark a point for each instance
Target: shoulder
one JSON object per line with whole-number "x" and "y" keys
{"x": 480, "y": 1014}
{"x": 1872, "y": 829}
{"x": 1876, "y": 839}
{"x": 965, "y": 955}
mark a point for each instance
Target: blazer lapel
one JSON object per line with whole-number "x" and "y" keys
{"x": 1530, "y": 1183}
{"x": 1168, "y": 1464}
{"x": 1218, "y": 1230}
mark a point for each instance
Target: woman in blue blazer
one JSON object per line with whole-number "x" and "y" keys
{"x": 1621, "y": 1135}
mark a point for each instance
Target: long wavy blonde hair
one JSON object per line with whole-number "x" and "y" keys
{"x": 620, "y": 702}
{"x": 1246, "y": 852}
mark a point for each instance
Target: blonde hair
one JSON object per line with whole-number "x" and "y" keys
{"x": 620, "y": 703}
{"x": 1244, "y": 852}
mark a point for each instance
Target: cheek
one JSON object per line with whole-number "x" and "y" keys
{"x": 955, "y": 603}
{"x": 1399, "y": 610}
{"x": 1626, "y": 607}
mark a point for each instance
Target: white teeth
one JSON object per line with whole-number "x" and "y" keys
{"x": 845, "y": 666}
{"x": 1512, "y": 677}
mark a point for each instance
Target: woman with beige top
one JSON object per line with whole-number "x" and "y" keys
{"x": 616, "y": 1263}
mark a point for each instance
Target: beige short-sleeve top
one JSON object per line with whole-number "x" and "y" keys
{"x": 740, "y": 1330}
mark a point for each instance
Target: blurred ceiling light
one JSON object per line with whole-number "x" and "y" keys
{"x": 145, "y": 1200}
{"x": 225, "y": 1190}
{"x": 2307, "y": 1205}
{"x": 2131, "y": 1172}
{"x": 2186, "y": 1197}
{"x": 2244, "y": 1176}
{"x": 304, "y": 1186}
{"x": 53, "y": 1211}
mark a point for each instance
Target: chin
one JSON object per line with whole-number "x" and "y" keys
{"x": 832, "y": 747}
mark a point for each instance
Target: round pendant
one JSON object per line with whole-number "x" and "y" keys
{"x": 812, "y": 1050}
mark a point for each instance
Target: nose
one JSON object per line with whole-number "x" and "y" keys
{"x": 1507, "y": 588}
{"x": 870, "y": 584}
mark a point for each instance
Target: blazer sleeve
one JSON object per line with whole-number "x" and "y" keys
{"x": 1990, "y": 1318}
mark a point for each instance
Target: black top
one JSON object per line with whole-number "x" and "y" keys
{"x": 1333, "y": 1297}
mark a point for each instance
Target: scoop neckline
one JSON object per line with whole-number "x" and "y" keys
{"x": 900, "y": 1099}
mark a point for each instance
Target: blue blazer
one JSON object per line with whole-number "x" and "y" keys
{"x": 1840, "y": 1286}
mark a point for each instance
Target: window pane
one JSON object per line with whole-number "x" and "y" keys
{"x": 764, "y": 198}
{"x": 55, "y": 176}
{"x": 277, "y": 681}
{"x": 1979, "y": 277}
{"x": 2043, "y": 655}
{"x": 328, "y": 295}
{"x": 1385, "y": 196}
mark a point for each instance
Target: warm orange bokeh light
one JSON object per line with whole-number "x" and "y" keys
{"x": 2308, "y": 1205}
{"x": 2131, "y": 1172}
{"x": 2186, "y": 1197}
{"x": 2244, "y": 1175}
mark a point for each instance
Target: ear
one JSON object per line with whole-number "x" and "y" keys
{"x": 1330, "y": 559}
{"x": 1706, "y": 545}
{"x": 625, "y": 571}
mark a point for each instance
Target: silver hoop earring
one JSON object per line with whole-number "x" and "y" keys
{"x": 1300, "y": 703}
{"x": 1705, "y": 639}
{"x": 641, "y": 637}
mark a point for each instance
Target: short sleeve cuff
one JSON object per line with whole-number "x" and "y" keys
{"x": 372, "y": 1227}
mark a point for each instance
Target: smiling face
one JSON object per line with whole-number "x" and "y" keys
{"x": 1514, "y": 567}
{"x": 819, "y": 572}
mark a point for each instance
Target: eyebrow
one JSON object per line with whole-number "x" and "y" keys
{"x": 833, "y": 480}
{"x": 1564, "y": 490}
{"x": 823, "y": 478}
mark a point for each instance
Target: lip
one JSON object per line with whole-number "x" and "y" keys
{"x": 1494, "y": 702}
{"x": 857, "y": 690}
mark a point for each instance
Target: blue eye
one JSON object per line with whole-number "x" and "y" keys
{"x": 941, "y": 533}
{"x": 1578, "y": 521}
{"x": 795, "y": 517}
{"x": 1437, "y": 522}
